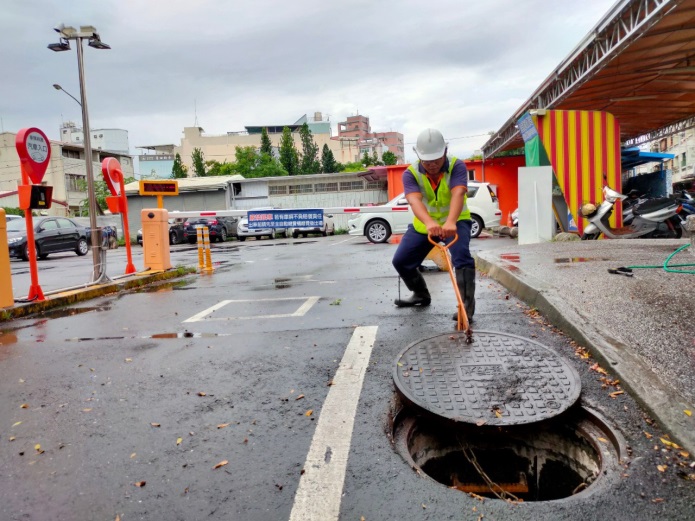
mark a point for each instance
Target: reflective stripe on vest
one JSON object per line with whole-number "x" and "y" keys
{"x": 437, "y": 204}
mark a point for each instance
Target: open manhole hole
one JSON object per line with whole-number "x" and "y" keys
{"x": 570, "y": 455}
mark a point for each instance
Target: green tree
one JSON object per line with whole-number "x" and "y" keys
{"x": 389, "y": 158}
{"x": 266, "y": 144}
{"x": 215, "y": 168}
{"x": 179, "y": 170}
{"x": 250, "y": 163}
{"x": 289, "y": 158}
{"x": 375, "y": 159}
{"x": 366, "y": 160}
{"x": 357, "y": 166}
{"x": 198, "y": 160}
{"x": 328, "y": 162}
{"x": 309, "y": 163}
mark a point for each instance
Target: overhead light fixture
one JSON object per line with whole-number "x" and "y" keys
{"x": 64, "y": 45}
{"x": 96, "y": 43}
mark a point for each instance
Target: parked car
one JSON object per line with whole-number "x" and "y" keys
{"x": 220, "y": 228}
{"x": 243, "y": 230}
{"x": 328, "y": 228}
{"x": 175, "y": 232}
{"x": 11, "y": 217}
{"x": 378, "y": 227}
{"x": 51, "y": 235}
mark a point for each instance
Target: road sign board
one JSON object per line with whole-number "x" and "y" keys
{"x": 34, "y": 151}
{"x": 111, "y": 169}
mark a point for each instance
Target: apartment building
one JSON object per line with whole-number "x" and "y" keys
{"x": 682, "y": 166}
{"x": 358, "y": 127}
{"x": 66, "y": 173}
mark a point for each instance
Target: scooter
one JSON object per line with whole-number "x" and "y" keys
{"x": 652, "y": 219}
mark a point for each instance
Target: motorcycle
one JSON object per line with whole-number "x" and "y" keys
{"x": 687, "y": 205}
{"x": 653, "y": 218}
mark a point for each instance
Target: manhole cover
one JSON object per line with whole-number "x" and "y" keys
{"x": 499, "y": 379}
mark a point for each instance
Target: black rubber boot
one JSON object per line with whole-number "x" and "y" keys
{"x": 465, "y": 280}
{"x": 420, "y": 297}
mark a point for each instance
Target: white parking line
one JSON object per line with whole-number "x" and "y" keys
{"x": 301, "y": 311}
{"x": 321, "y": 486}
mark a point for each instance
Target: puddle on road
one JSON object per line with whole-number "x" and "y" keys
{"x": 184, "y": 334}
{"x": 69, "y": 312}
{"x": 568, "y": 260}
{"x": 167, "y": 286}
{"x": 7, "y": 338}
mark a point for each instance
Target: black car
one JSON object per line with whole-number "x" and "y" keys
{"x": 176, "y": 235}
{"x": 220, "y": 228}
{"x": 51, "y": 235}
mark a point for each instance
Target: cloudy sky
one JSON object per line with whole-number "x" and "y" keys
{"x": 461, "y": 66}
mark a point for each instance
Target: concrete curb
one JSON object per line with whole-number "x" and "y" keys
{"x": 65, "y": 298}
{"x": 661, "y": 400}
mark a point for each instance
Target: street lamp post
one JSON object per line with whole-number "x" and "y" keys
{"x": 85, "y": 33}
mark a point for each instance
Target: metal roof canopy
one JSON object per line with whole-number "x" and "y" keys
{"x": 633, "y": 157}
{"x": 638, "y": 63}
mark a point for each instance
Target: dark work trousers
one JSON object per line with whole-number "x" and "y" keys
{"x": 414, "y": 247}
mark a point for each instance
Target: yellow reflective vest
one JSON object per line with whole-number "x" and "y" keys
{"x": 437, "y": 204}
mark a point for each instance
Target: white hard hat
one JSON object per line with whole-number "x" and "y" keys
{"x": 430, "y": 145}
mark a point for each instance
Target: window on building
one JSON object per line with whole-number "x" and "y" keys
{"x": 375, "y": 185}
{"x": 351, "y": 185}
{"x": 277, "y": 190}
{"x": 301, "y": 189}
{"x": 72, "y": 154}
{"x": 471, "y": 175}
{"x": 683, "y": 160}
{"x": 326, "y": 187}
{"x": 73, "y": 182}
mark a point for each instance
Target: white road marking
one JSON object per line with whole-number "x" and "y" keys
{"x": 321, "y": 486}
{"x": 301, "y": 311}
{"x": 344, "y": 240}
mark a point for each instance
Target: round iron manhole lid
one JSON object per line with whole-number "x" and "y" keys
{"x": 499, "y": 379}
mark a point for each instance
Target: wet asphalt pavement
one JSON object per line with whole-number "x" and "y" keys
{"x": 119, "y": 391}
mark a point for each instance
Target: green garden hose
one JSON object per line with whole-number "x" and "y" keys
{"x": 665, "y": 265}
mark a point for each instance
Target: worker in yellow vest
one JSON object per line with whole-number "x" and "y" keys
{"x": 436, "y": 189}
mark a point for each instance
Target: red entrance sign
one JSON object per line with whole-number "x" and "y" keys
{"x": 34, "y": 151}
{"x": 113, "y": 175}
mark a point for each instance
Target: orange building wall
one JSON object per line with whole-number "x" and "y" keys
{"x": 503, "y": 173}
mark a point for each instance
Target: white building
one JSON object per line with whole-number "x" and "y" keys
{"x": 113, "y": 139}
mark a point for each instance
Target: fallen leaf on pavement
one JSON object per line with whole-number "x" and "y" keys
{"x": 662, "y": 468}
{"x": 480, "y": 423}
{"x": 201, "y": 393}
{"x": 12, "y": 438}
{"x": 603, "y": 440}
{"x": 669, "y": 443}
{"x": 220, "y": 464}
{"x": 689, "y": 413}
{"x": 178, "y": 441}
{"x": 246, "y": 440}
{"x": 118, "y": 518}
{"x": 24, "y": 406}
{"x": 647, "y": 434}
{"x": 156, "y": 424}
{"x": 299, "y": 397}
{"x": 140, "y": 483}
{"x": 309, "y": 412}
{"x": 657, "y": 500}
{"x": 598, "y": 369}
{"x": 38, "y": 448}
{"x": 132, "y": 455}
{"x": 15, "y": 424}
{"x": 616, "y": 393}
{"x": 222, "y": 425}
{"x": 684, "y": 454}
{"x": 88, "y": 409}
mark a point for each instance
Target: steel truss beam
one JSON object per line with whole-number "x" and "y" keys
{"x": 620, "y": 27}
{"x": 673, "y": 128}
